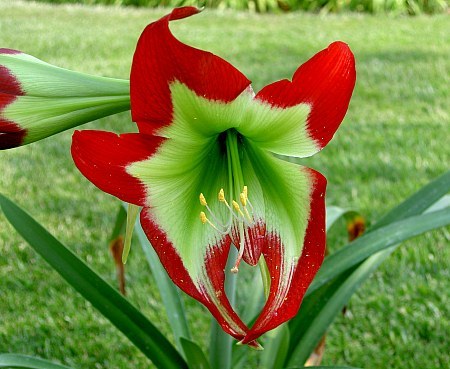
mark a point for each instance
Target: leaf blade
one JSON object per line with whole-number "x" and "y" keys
{"x": 169, "y": 293}
{"x": 418, "y": 202}
{"x": 27, "y": 362}
{"x": 195, "y": 356}
{"x": 375, "y": 241}
{"x": 130, "y": 321}
{"x": 333, "y": 303}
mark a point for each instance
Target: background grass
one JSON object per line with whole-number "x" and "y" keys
{"x": 411, "y": 7}
{"x": 393, "y": 141}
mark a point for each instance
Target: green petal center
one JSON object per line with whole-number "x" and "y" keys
{"x": 207, "y": 151}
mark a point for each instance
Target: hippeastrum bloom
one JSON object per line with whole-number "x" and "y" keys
{"x": 202, "y": 167}
{"x": 38, "y": 100}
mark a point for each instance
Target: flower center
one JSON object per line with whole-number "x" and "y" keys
{"x": 241, "y": 217}
{"x": 241, "y": 210}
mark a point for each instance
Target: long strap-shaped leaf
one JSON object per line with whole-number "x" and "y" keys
{"x": 93, "y": 288}
{"x": 325, "y": 367}
{"x": 375, "y": 241}
{"x": 195, "y": 357}
{"x": 169, "y": 292}
{"x": 321, "y": 306}
{"x": 417, "y": 203}
{"x": 27, "y": 362}
{"x": 311, "y": 327}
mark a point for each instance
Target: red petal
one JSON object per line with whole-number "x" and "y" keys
{"x": 9, "y": 51}
{"x": 11, "y": 134}
{"x": 161, "y": 59}
{"x": 326, "y": 82}
{"x": 255, "y": 240}
{"x": 11, "y": 139}
{"x": 274, "y": 313}
{"x": 215, "y": 266}
{"x": 8, "y": 82}
{"x": 102, "y": 157}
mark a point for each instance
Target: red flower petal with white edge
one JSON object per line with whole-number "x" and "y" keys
{"x": 160, "y": 59}
{"x": 325, "y": 83}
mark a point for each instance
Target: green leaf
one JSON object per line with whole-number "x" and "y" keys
{"x": 320, "y": 309}
{"x": 417, "y": 203}
{"x": 375, "y": 241}
{"x": 334, "y": 213}
{"x": 275, "y": 348}
{"x": 93, "y": 288}
{"x": 239, "y": 356}
{"x": 121, "y": 217}
{"x": 28, "y": 362}
{"x": 310, "y": 308}
{"x": 323, "y": 367}
{"x": 132, "y": 213}
{"x": 443, "y": 203}
{"x": 195, "y": 356}
{"x": 311, "y": 323}
{"x": 169, "y": 292}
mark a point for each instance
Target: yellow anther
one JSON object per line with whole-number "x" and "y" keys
{"x": 203, "y": 217}
{"x": 203, "y": 200}
{"x": 221, "y": 195}
{"x": 243, "y": 199}
{"x": 238, "y": 209}
{"x": 245, "y": 192}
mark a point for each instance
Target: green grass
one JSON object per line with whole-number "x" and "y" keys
{"x": 392, "y": 142}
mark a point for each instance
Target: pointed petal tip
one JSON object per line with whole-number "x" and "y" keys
{"x": 160, "y": 59}
{"x": 252, "y": 343}
{"x": 343, "y": 50}
{"x": 184, "y": 12}
{"x": 339, "y": 45}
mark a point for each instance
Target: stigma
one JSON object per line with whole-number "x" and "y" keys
{"x": 240, "y": 216}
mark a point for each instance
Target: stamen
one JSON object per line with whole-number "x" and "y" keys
{"x": 221, "y": 197}
{"x": 235, "y": 268}
{"x": 203, "y": 200}
{"x": 205, "y": 220}
{"x": 247, "y": 214}
{"x": 203, "y": 217}
{"x": 243, "y": 199}
{"x": 227, "y": 226}
{"x": 237, "y": 208}
{"x": 243, "y": 217}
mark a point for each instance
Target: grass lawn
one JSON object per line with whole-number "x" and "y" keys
{"x": 393, "y": 141}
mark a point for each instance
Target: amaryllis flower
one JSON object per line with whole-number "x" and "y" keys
{"x": 202, "y": 167}
{"x": 38, "y": 100}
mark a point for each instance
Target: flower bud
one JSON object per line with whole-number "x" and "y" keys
{"x": 38, "y": 99}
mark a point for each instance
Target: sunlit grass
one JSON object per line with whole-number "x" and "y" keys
{"x": 393, "y": 141}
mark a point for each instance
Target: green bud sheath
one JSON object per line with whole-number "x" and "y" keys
{"x": 38, "y": 100}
